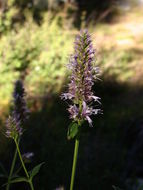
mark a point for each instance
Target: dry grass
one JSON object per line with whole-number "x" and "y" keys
{"x": 122, "y": 43}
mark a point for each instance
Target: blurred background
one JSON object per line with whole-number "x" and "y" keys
{"x": 36, "y": 39}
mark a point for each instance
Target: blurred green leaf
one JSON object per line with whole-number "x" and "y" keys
{"x": 35, "y": 170}
{"x": 17, "y": 180}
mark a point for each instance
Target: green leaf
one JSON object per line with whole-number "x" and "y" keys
{"x": 35, "y": 170}
{"x": 16, "y": 180}
{"x": 19, "y": 179}
{"x": 72, "y": 130}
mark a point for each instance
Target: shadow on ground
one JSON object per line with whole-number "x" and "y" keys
{"x": 107, "y": 151}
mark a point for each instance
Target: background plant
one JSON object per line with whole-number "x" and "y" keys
{"x": 14, "y": 130}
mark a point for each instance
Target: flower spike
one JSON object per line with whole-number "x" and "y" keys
{"x": 82, "y": 78}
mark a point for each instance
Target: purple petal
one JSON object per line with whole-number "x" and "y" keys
{"x": 89, "y": 121}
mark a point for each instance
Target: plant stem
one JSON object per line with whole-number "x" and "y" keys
{"x": 23, "y": 165}
{"x": 74, "y": 163}
{"x": 19, "y": 153}
{"x": 12, "y": 168}
{"x": 31, "y": 185}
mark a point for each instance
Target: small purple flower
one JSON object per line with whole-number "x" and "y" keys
{"x": 27, "y": 156}
{"x": 74, "y": 111}
{"x": 83, "y": 75}
{"x": 12, "y": 128}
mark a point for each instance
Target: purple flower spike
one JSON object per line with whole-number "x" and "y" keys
{"x": 13, "y": 130}
{"x": 83, "y": 75}
{"x": 20, "y": 112}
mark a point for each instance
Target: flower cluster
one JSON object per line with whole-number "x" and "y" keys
{"x": 83, "y": 75}
{"x": 20, "y": 112}
{"x": 13, "y": 128}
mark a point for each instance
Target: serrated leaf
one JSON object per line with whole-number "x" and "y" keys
{"x": 72, "y": 130}
{"x": 35, "y": 170}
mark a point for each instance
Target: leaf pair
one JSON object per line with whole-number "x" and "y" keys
{"x": 32, "y": 173}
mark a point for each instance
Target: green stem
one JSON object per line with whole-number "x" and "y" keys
{"x": 23, "y": 165}
{"x": 31, "y": 185}
{"x": 12, "y": 168}
{"x": 74, "y": 163}
{"x": 19, "y": 153}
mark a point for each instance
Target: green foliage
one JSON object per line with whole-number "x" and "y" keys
{"x": 38, "y": 54}
{"x": 32, "y": 173}
{"x": 7, "y": 15}
{"x": 49, "y": 66}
